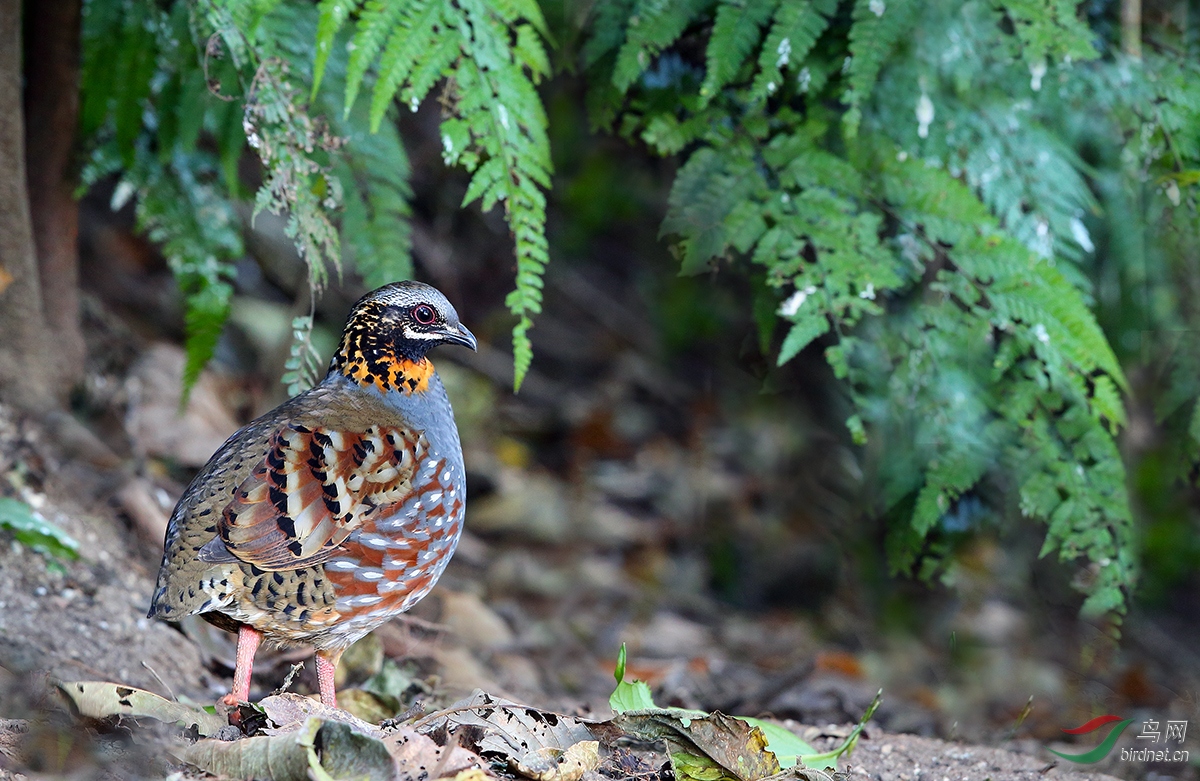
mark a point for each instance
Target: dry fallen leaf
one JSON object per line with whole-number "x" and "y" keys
{"x": 279, "y": 757}
{"x": 511, "y": 729}
{"x": 101, "y": 700}
{"x": 474, "y": 774}
{"x": 418, "y": 757}
{"x": 288, "y": 711}
{"x": 319, "y": 750}
{"x": 704, "y": 748}
{"x": 533, "y": 742}
{"x": 807, "y": 774}
{"x": 549, "y": 764}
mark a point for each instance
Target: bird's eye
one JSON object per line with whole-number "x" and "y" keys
{"x": 423, "y": 314}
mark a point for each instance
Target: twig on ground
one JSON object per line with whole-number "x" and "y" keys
{"x": 414, "y": 710}
{"x": 158, "y": 678}
{"x": 287, "y": 680}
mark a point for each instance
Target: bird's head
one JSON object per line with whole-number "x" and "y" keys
{"x": 390, "y": 330}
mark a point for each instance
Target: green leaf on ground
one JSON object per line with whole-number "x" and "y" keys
{"x": 629, "y": 695}
{"x": 715, "y": 747}
{"x": 34, "y": 531}
{"x": 829, "y": 758}
{"x": 786, "y": 745}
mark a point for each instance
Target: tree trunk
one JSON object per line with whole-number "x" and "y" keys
{"x": 27, "y": 355}
{"x": 51, "y": 114}
{"x": 1131, "y": 28}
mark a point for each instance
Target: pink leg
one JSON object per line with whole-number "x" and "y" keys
{"x": 248, "y": 638}
{"x": 326, "y": 665}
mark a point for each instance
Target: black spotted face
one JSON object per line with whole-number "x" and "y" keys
{"x": 389, "y": 332}
{"x": 416, "y": 317}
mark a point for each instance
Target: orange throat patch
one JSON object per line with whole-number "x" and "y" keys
{"x": 389, "y": 373}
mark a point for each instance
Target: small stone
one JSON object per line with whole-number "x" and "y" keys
{"x": 476, "y": 624}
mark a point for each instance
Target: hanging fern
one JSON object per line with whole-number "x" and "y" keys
{"x": 303, "y": 363}
{"x": 737, "y": 30}
{"x": 173, "y": 126}
{"x": 795, "y": 29}
{"x": 491, "y": 56}
{"x": 293, "y": 146}
{"x": 145, "y": 125}
{"x": 1048, "y": 31}
{"x": 878, "y": 26}
{"x": 937, "y": 250}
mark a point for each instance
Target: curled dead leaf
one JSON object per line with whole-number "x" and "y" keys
{"x": 712, "y": 747}
{"x": 320, "y": 750}
{"x": 289, "y": 711}
{"x": 549, "y": 764}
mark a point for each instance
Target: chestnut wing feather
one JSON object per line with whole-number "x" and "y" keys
{"x": 313, "y": 488}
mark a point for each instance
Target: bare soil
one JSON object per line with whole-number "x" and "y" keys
{"x": 85, "y": 620}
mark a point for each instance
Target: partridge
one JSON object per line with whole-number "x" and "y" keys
{"x": 337, "y": 510}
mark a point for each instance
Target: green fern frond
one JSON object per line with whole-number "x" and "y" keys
{"x": 105, "y": 26}
{"x": 333, "y": 14}
{"x": 531, "y": 52}
{"x": 295, "y": 184}
{"x": 606, "y": 26}
{"x": 946, "y": 480}
{"x": 413, "y": 39}
{"x": 507, "y": 124}
{"x": 878, "y": 26}
{"x": 735, "y": 34}
{"x": 301, "y": 370}
{"x": 706, "y": 191}
{"x": 1053, "y": 346}
{"x": 1048, "y": 30}
{"x": 372, "y": 167}
{"x": 182, "y": 209}
{"x": 795, "y": 28}
{"x": 375, "y": 223}
{"x": 512, "y": 12}
{"x": 653, "y": 26}
{"x": 376, "y": 23}
{"x": 206, "y": 308}
{"x": 491, "y": 55}
{"x": 812, "y": 324}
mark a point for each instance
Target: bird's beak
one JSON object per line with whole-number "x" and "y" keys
{"x": 461, "y": 335}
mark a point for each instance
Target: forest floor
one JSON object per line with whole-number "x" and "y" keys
{"x": 84, "y": 620}
{"x": 560, "y": 566}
